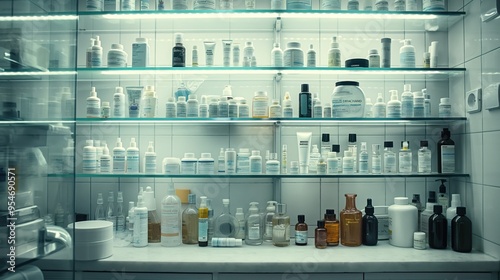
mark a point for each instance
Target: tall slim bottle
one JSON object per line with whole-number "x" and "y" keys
{"x": 389, "y": 158}
{"x": 253, "y": 228}
{"x": 350, "y": 223}
{"x": 446, "y": 153}
{"x": 178, "y": 52}
{"x": 110, "y": 210}
{"x": 281, "y": 226}
{"x": 305, "y": 102}
{"x": 190, "y": 222}
{"x": 203, "y": 223}
{"x": 140, "y": 224}
{"x": 268, "y": 220}
{"x": 461, "y": 232}
{"x": 332, "y": 228}
{"x": 369, "y": 225}
{"x": 437, "y": 229}
{"x": 211, "y": 221}
{"x": 120, "y": 217}
{"x": 171, "y": 219}
{"x": 99, "y": 210}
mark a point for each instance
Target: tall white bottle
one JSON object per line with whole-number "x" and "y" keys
{"x": 451, "y": 212}
{"x": 379, "y": 108}
{"x": 106, "y": 160}
{"x": 96, "y": 53}
{"x": 149, "y": 102}
{"x": 311, "y": 56}
{"x": 403, "y": 222}
{"x": 407, "y": 102}
{"x": 277, "y": 56}
{"x": 407, "y": 54}
{"x": 334, "y": 54}
{"x": 93, "y": 105}
{"x": 171, "y": 219}
{"x": 133, "y": 157}
{"x": 140, "y": 224}
{"x": 394, "y": 106}
{"x": 150, "y": 159}
{"x": 119, "y": 158}
{"x": 89, "y": 158}
{"x": 119, "y": 103}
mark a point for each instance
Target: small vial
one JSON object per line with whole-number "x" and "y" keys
{"x": 374, "y": 59}
{"x": 294, "y": 167}
{"x": 419, "y": 240}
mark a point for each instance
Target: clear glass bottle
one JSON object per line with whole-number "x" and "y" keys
{"x": 281, "y": 226}
{"x": 268, "y": 220}
{"x": 99, "y": 210}
{"x": 203, "y": 223}
{"x": 301, "y": 231}
{"x": 110, "y": 210}
{"x": 376, "y": 159}
{"x": 363, "y": 159}
{"x": 225, "y": 223}
{"x": 389, "y": 158}
{"x": 211, "y": 221}
{"x": 332, "y": 228}
{"x": 350, "y": 223}
{"x": 253, "y": 228}
{"x": 405, "y": 158}
{"x": 320, "y": 235}
{"x": 424, "y": 158}
{"x": 190, "y": 222}
{"x": 120, "y": 216}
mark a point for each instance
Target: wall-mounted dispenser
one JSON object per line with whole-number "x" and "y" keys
{"x": 491, "y": 97}
{"x": 490, "y": 10}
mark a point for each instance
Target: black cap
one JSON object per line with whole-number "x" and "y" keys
{"x": 416, "y": 198}
{"x": 301, "y": 218}
{"x": 330, "y": 211}
{"x": 442, "y": 187}
{"x": 369, "y": 207}
{"x": 325, "y": 137}
{"x": 388, "y": 144}
{"x": 461, "y": 211}
{"x": 347, "y": 83}
{"x": 438, "y": 209}
{"x": 330, "y": 214}
{"x": 424, "y": 143}
{"x": 445, "y": 132}
{"x": 336, "y": 148}
{"x": 304, "y": 87}
{"x": 321, "y": 223}
{"x": 352, "y": 138}
{"x": 432, "y": 197}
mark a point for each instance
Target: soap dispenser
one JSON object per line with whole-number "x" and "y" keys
{"x": 443, "y": 196}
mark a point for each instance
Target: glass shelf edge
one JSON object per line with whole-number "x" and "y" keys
{"x": 263, "y": 176}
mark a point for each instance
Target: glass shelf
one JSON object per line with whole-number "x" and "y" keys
{"x": 266, "y": 72}
{"x": 35, "y": 74}
{"x": 282, "y": 121}
{"x": 256, "y": 176}
{"x": 29, "y": 17}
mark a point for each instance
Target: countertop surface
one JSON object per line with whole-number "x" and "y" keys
{"x": 270, "y": 259}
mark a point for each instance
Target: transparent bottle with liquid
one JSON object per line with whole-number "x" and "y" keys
{"x": 332, "y": 228}
{"x": 268, "y": 220}
{"x": 253, "y": 228}
{"x": 363, "y": 159}
{"x": 389, "y": 157}
{"x": 350, "y": 223}
{"x": 190, "y": 222}
{"x": 424, "y": 158}
{"x": 376, "y": 159}
{"x": 405, "y": 158}
{"x": 110, "y": 210}
{"x": 211, "y": 221}
{"x": 154, "y": 223}
{"x": 171, "y": 219}
{"x": 240, "y": 223}
{"x": 99, "y": 210}
{"x": 281, "y": 226}
{"x": 225, "y": 223}
{"x": 120, "y": 216}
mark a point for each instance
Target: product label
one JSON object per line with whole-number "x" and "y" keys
{"x": 203, "y": 111}
{"x": 273, "y": 167}
{"x": 448, "y": 158}
{"x": 132, "y": 161}
{"x": 254, "y": 232}
{"x": 317, "y": 112}
{"x": 393, "y": 111}
{"x": 433, "y": 5}
{"x": 128, "y": 5}
{"x": 242, "y": 164}
{"x": 293, "y": 58}
{"x": 405, "y": 159}
{"x": 363, "y": 163}
{"x": 223, "y": 110}
{"x": 141, "y": 229}
{"x": 382, "y": 6}
{"x": 256, "y": 165}
{"x": 144, "y": 4}
{"x": 399, "y": 5}
{"x": 348, "y": 166}
{"x": 140, "y": 55}
{"x": 389, "y": 163}
{"x": 213, "y": 110}
{"x": 105, "y": 165}
{"x": 300, "y": 237}
{"x": 149, "y": 107}
{"x": 287, "y": 112}
{"x": 171, "y": 111}
{"x": 204, "y": 5}
{"x": 117, "y": 59}
{"x": 181, "y": 110}
{"x": 96, "y": 58}
{"x": 376, "y": 165}
{"x": 233, "y": 111}
{"x": 277, "y": 57}
{"x": 89, "y": 161}
{"x": 407, "y": 60}
{"x": 188, "y": 167}
{"x": 93, "y": 108}
{"x": 332, "y": 165}
{"x": 334, "y": 59}
{"x": 383, "y": 227}
{"x": 281, "y": 233}
{"x": 119, "y": 162}
{"x": 170, "y": 214}
{"x": 330, "y": 5}
{"x": 206, "y": 167}
{"x": 444, "y": 111}
{"x": 172, "y": 169}
{"x": 118, "y": 106}
{"x": 179, "y": 57}
{"x": 150, "y": 164}
{"x": 298, "y": 4}
{"x": 226, "y": 4}
{"x": 179, "y": 5}
{"x": 353, "y": 5}
{"x": 407, "y": 107}
{"x": 418, "y": 112}
{"x": 243, "y": 111}
{"x": 424, "y": 162}
{"x": 259, "y": 109}
{"x": 311, "y": 59}
{"x": 94, "y": 5}
{"x": 321, "y": 169}
{"x": 346, "y": 105}
{"x": 374, "y": 61}
{"x": 202, "y": 229}
{"x": 230, "y": 166}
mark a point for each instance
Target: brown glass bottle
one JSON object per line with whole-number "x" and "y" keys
{"x": 301, "y": 231}
{"x": 461, "y": 232}
{"x": 332, "y": 228}
{"x": 350, "y": 222}
{"x": 320, "y": 235}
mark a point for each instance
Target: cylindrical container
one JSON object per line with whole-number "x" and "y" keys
{"x": 226, "y": 242}
{"x": 294, "y": 167}
{"x": 382, "y": 214}
{"x": 403, "y": 222}
{"x": 350, "y": 223}
{"x": 320, "y": 235}
{"x": 140, "y": 53}
{"x": 386, "y": 53}
{"x": 230, "y": 159}
{"x": 293, "y": 55}
{"x": 204, "y": 5}
{"x": 260, "y": 105}
{"x": 382, "y": 5}
{"x": 330, "y": 4}
{"x": 348, "y": 100}
{"x": 444, "y": 108}
{"x": 374, "y": 59}
{"x": 171, "y": 166}
{"x": 206, "y": 164}
{"x": 433, "y": 5}
{"x": 116, "y": 56}
{"x": 298, "y": 4}
{"x": 243, "y": 161}
{"x": 188, "y": 164}
{"x": 256, "y": 162}
{"x": 419, "y": 240}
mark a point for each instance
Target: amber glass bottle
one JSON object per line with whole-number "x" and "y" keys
{"x": 350, "y": 222}
{"x": 301, "y": 231}
{"x": 332, "y": 228}
{"x": 320, "y": 235}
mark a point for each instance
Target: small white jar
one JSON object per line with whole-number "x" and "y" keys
{"x": 171, "y": 165}
{"x": 206, "y": 164}
{"x": 419, "y": 240}
{"x": 444, "y": 108}
{"x": 188, "y": 164}
{"x": 116, "y": 56}
{"x": 293, "y": 55}
{"x": 348, "y": 100}
{"x": 374, "y": 59}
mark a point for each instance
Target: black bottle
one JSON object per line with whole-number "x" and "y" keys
{"x": 178, "y": 52}
{"x": 305, "y": 102}
{"x": 461, "y": 232}
{"x": 369, "y": 225}
{"x": 446, "y": 148}
{"x": 438, "y": 229}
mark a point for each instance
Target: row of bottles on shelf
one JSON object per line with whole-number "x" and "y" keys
{"x": 97, "y": 159}
{"x": 351, "y": 5}
{"x": 292, "y": 56}
{"x": 199, "y": 225}
{"x": 347, "y": 101}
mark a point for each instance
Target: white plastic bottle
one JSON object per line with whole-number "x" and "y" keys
{"x": 236, "y": 54}
{"x": 206, "y": 164}
{"x": 424, "y": 158}
{"x": 230, "y": 161}
{"x": 117, "y": 57}
{"x": 233, "y": 108}
{"x": 150, "y": 159}
{"x": 407, "y": 54}
{"x": 334, "y": 54}
{"x": 98, "y": 152}
{"x": 287, "y": 106}
{"x": 243, "y": 109}
{"x": 394, "y": 106}
{"x": 189, "y": 164}
{"x": 149, "y": 102}
{"x": 106, "y": 160}
{"x": 418, "y": 105}
{"x": 194, "y": 56}
{"x": 403, "y": 222}
{"x": 192, "y": 107}
{"x": 133, "y": 157}
{"x": 223, "y": 107}
{"x": 317, "y": 109}
{"x": 93, "y": 105}
{"x": 181, "y": 107}
{"x": 400, "y": 5}
{"x": 277, "y": 56}
{"x": 96, "y": 53}
{"x": 243, "y": 161}
{"x": 88, "y": 56}
{"x": 382, "y": 5}
{"x": 226, "y": 4}
{"x": 140, "y": 224}
{"x": 379, "y": 108}
{"x": 311, "y": 56}
{"x": 368, "y": 108}
{"x": 407, "y": 102}
{"x": 332, "y": 163}
{"x": 240, "y": 223}
{"x": 203, "y": 107}
{"x": 260, "y": 105}
{"x": 363, "y": 159}
{"x": 451, "y": 212}
{"x": 444, "y": 108}
{"x": 119, "y": 157}
{"x": 255, "y": 162}
{"x": 275, "y": 109}
{"x": 140, "y": 53}
{"x": 119, "y": 103}
{"x": 427, "y": 103}
{"x": 273, "y": 164}
{"x": 89, "y": 158}
{"x": 374, "y": 59}
{"x": 171, "y": 108}
{"x": 313, "y": 159}
{"x": 348, "y": 163}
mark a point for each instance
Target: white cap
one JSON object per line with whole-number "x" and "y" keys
{"x": 119, "y": 89}
{"x": 227, "y": 91}
{"x": 445, "y": 101}
{"x": 105, "y": 104}
{"x": 363, "y": 146}
{"x": 178, "y": 38}
{"x": 394, "y": 94}
{"x": 150, "y": 88}
{"x": 151, "y": 148}
{"x": 373, "y": 51}
{"x": 276, "y": 45}
{"x": 407, "y": 87}
{"x": 203, "y": 99}
{"x": 105, "y": 150}
{"x": 97, "y": 41}
{"x": 99, "y": 198}
{"x": 419, "y": 235}
{"x": 255, "y": 153}
{"x": 401, "y": 200}
{"x": 254, "y": 209}
{"x": 192, "y": 96}
{"x": 149, "y": 198}
{"x": 189, "y": 155}
{"x": 225, "y": 201}
{"x": 418, "y": 94}
{"x": 348, "y": 153}
{"x": 117, "y": 46}
{"x": 206, "y": 155}
{"x": 380, "y": 97}
{"x": 271, "y": 206}
{"x": 181, "y": 98}
{"x": 97, "y": 143}
{"x": 141, "y": 40}
{"x": 332, "y": 154}
{"x": 315, "y": 149}
{"x": 132, "y": 143}
{"x": 93, "y": 93}
{"x": 119, "y": 142}
{"x": 90, "y": 142}
{"x": 335, "y": 44}
{"x": 239, "y": 214}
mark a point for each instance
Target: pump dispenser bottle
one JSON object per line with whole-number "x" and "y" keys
{"x": 334, "y": 54}
{"x": 253, "y": 228}
{"x": 437, "y": 229}
{"x": 461, "y": 232}
{"x": 394, "y": 106}
{"x": 369, "y": 225}
{"x": 190, "y": 222}
{"x": 407, "y": 102}
{"x": 171, "y": 219}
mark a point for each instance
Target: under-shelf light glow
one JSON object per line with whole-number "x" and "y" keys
{"x": 193, "y": 71}
{"x": 39, "y": 18}
{"x": 363, "y": 16}
{"x": 37, "y": 73}
{"x": 190, "y": 15}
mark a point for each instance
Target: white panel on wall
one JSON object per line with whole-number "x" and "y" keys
{"x": 491, "y": 75}
{"x": 489, "y": 33}
{"x": 490, "y": 158}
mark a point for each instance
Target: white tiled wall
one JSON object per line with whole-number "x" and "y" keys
{"x": 481, "y": 53}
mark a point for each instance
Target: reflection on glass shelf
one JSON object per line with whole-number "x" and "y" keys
{"x": 32, "y": 72}
{"x": 47, "y": 17}
{"x": 283, "y": 121}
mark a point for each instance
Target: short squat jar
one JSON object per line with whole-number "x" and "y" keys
{"x": 298, "y": 4}
{"x": 293, "y": 55}
{"x": 116, "y": 56}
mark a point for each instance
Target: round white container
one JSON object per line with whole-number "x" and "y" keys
{"x": 403, "y": 222}
{"x": 348, "y": 100}
{"x": 188, "y": 164}
{"x": 171, "y": 165}
{"x": 116, "y": 56}
{"x": 89, "y": 251}
{"x": 293, "y": 55}
{"x": 91, "y": 231}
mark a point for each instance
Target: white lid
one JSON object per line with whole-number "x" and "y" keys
{"x": 192, "y": 96}
{"x": 373, "y": 51}
{"x": 119, "y": 142}
{"x": 149, "y": 199}
{"x": 93, "y": 93}
{"x": 149, "y": 88}
{"x": 178, "y": 38}
{"x": 293, "y": 45}
{"x": 117, "y": 46}
{"x": 260, "y": 93}
{"x": 133, "y": 144}
{"x": 381, "y": 210}
{"x": 406, "y": 42}
{"x": 419, "y": 235}
{"x": 239, "y": 214}
{"x": 335, "y": 44}
{"x": 171, "y": 161}
{"x": 363, "y": 146}
{"x": 255, "y": 153}
{"x": 401, "y": 200}
{"x": 225, "y": 201}
{"x": 119, "y": 89}
{"x": 407, "y": 87}
{"x": 170, "y": 99}
{"x": 206, "y": 155}
{"x": 189, "y": 155}
{"x": 394, "y": 94}
{"x": 182, "y": 99}
{"x": 105, "y": 104}
{"x": 254, "y": 209}
{"x": 97, "y": 143}
{"x": 332, "y": 154}
{"x": 271, "y": 206}
{"x": 380, "y": 97}
{"x": 418, "y": 94}
{"x": 151, "y": 148}
{"x": 347, "y": 153}
{"x": 105, "y": 150}
{"x": 91, "y": 231}
{"x": 90, "y": 142}
{"x": 141, "y": 40}
{"x": 203, "y": 202}
{"x": 243, "y": 101}
{"x": 276, "y": 102}
{"x": 227, "y": 91}
{"x": 445, "y": 101}
{"x": 315, "y": 149}
{"x": 97, "y": 41}
{"x": 276, "y": 45}
{"x": 244, "y": 150}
